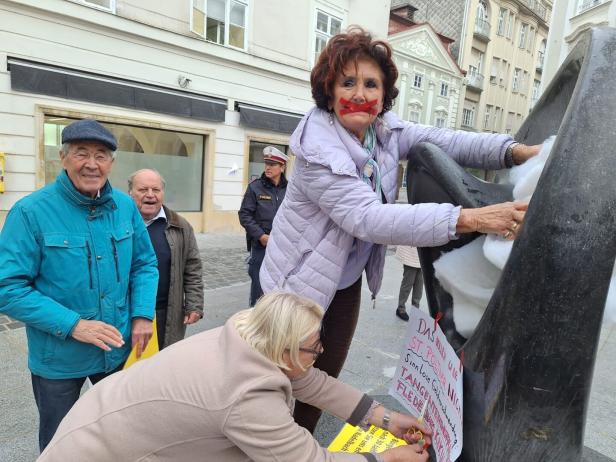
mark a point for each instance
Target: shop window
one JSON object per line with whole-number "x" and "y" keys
{"x": 178, "y": 156}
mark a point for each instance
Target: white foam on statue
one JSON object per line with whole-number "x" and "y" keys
{"x": 470, "y": 273}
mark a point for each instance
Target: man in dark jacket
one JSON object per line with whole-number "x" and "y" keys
{"x": 261, "y": 201}
{"x": 179, "y": 298}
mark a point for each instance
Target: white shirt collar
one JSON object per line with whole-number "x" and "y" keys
{"x": 161, "y": 214}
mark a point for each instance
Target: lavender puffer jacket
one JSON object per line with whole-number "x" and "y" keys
{"x": 327, "y": 204}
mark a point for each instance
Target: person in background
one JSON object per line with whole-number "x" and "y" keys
{"x": 340, "y": 214}
{"x": 226, "y": 395}
{"x": 179, "y": 298}
{"x": 259, "y": 206}
{"x": 77, "y": 267}
{"x": 412, "y": 280}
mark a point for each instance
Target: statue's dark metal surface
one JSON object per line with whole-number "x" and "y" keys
{"x": 529, "y": 363}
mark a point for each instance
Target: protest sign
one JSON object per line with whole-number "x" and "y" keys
{"x": 354, "y": 439}
{"x": 430, "y": 370}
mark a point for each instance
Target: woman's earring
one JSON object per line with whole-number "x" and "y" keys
{"x": 331, "y": 118}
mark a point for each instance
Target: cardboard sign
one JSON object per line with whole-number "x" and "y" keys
{"x": 429, "y": 369}
{"x": 354, "y": 439}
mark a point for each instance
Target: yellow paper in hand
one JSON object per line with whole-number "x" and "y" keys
{"x": 150, "y": 349}
{"x": 354, "y": 439}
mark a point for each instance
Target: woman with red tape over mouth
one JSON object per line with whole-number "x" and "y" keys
{"x": 340, "y": 214}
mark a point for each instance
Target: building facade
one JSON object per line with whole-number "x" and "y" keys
{"x": 500, "y": 45}
{"x": 503, "y": 54}
{"x": 193, "y": 88}
{"x": 571, "y": 18}
{"x": 429, "y": 81}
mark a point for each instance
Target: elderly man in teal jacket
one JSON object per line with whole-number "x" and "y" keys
{"x": 77, "y": 267}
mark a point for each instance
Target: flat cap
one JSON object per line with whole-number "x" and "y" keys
{"x": 89, "y": 130}
{"x": 271, "y": 154}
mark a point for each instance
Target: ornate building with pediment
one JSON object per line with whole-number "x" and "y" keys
{"x": 430, "y": 81}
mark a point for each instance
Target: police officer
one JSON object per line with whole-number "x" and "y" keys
{"x": 259, "y": 206}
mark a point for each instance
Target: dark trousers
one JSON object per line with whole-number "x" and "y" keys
{"x": 337, "y": 332}
{"x": 412, "y": 280}
{"x": 161, "y": 326}
{"x": 257, "y": 254}
{"x": 54, "y": 398}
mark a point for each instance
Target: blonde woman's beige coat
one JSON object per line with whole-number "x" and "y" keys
{"x": 210, "y": 397}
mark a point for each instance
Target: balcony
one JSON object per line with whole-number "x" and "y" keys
{"x": 538, "y": 9}
{"x": 540, "y": 61}
{"x": 482, "y": 30}
{"x": 474, "y": 80}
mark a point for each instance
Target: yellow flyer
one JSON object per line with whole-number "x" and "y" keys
{"x": 354, "y": 439}
{"x": 150, "y": 349}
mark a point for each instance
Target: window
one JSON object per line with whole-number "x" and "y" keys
{"x": 440, "y": 118}
{"x": 106, "y": 5}
{"x": 414, "y": 112}
{"x": 486, "y": 117}
{"x": 510, "y": 122}
{"x": 523, "y": 35}
{"x": 498, "y": 118}
{"x": 531, "y": 40}
{"x": 178, "y": 156}
{"x": 541, "y": 54}
{"x": 535, "y": 96}
{"x": 515, "y": 86}
{"x": 500, "y": 25}
{"x": 494, "y": 71}
{"x": 444, "y": 89}
{"x": 468, "y": 115}
{"x": 327, "y": 26}
{"x": 584, "y": 5}
{"x": 255, "y": 157}
{"x": 482, "y": 10}
{"x": 504, "y": 74}
{"x": 510, "y": 25}
{"x": 417, "y": 80}
{"x": 524, "y": 83}
{"x": 220, "y": 21}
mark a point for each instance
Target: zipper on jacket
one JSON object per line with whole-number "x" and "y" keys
{"x": 115, "y": 258}
{"x": 89, "y": 262}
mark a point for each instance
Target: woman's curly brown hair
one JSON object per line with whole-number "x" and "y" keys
{"x": 352, "y": 46}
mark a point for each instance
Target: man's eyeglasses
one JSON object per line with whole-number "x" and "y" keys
{"x": 99, "y": 158}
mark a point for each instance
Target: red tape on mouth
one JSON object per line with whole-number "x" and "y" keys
{"x": 351, "y": 107}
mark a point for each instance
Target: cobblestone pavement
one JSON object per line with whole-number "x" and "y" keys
{"x": 223, "y": 267}
{"x": 7, "y": 323}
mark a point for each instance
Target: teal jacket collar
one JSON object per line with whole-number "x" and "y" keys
{"x": 67, "y": 190}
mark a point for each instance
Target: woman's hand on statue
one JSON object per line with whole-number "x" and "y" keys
{"x": 504, "y": 219}
{"x": 521, "y": 152}
{"x": 409, "y": 453}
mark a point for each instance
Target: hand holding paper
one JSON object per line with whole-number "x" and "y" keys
{"x": 400, "y": 424}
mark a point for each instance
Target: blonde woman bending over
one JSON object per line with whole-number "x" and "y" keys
{"x": 225, "y": 395}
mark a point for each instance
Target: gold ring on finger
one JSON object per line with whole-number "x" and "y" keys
{"x": 515, "y": 225}
{"x": 507, "y": 235}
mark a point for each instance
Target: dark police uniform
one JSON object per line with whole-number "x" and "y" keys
{"x": 259, "y": 206}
